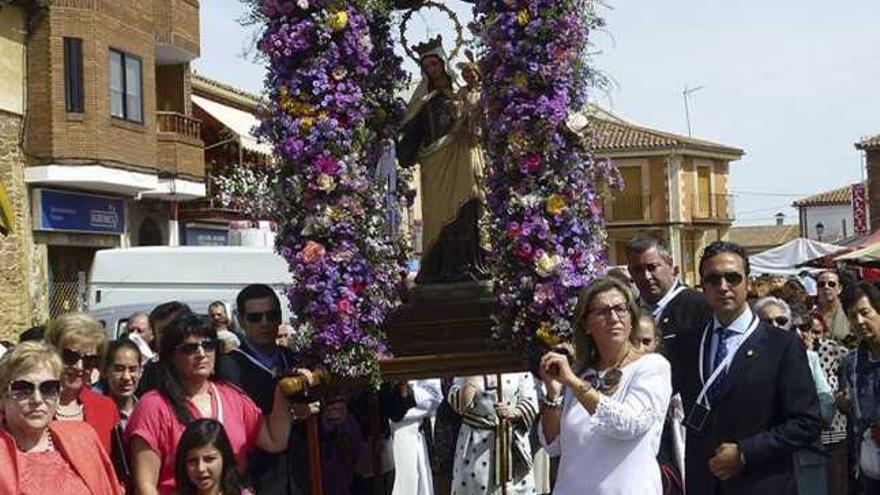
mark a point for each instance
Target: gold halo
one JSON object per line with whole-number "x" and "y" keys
{"x": 404, "y": 21}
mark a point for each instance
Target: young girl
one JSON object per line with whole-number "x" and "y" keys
{"x": 205, "y": 464}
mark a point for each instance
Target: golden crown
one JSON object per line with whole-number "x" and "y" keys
{"x": 430, "y": 46}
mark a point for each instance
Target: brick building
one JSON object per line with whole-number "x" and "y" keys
{"x": 106, "y": 135}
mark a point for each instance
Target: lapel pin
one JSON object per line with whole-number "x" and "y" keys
{"x": 750, "y": 353}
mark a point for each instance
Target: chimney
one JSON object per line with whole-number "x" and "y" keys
{"x": 780, "y": 218}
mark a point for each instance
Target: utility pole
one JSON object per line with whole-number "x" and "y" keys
{"x": 686, "y": 94}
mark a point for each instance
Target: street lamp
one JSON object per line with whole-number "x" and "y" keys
{"x": 820, "y": 229}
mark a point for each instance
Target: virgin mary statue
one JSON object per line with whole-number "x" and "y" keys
{"x": 437, "y": 134}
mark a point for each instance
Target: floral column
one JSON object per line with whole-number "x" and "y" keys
{"x": 546, "y": 218}
{"x": 346, "y": 273}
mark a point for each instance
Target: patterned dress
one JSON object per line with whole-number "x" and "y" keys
{"x": 477, "y": 450}
{"x": 831, "y": 355}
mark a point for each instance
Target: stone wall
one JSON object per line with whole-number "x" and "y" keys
{"x": 23, "y": 289}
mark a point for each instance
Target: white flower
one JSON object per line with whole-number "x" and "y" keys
{"x": 303, "y": 4}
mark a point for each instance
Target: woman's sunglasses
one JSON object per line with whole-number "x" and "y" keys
{"x": 70, "y": 357}
{"x": 190, "y": 348}
{"x": 20, "y": 390}
{"x": 779, "y": 321}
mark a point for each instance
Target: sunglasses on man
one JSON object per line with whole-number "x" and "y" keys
{"x": 191, "y": 348}
{"x": 71, "y": 357}
{"x": 826, "y": 283}
{"x": 20, "y": 390}
{"x": 273, "y": 316}
{"x": 733, "y": 279}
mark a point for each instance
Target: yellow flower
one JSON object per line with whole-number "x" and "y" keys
{"x": 306, "y": 123}
{"x": 520, "y": 80}
{"x": 555, "y": 204}
{"x": 545, "y": 333}
{"x": 546, "y": 264}
{"x": 522, "y": 17}
{"x": 323, "y": 115}
{"x": 338, "y": 21}
{"x": 326, "y": 183}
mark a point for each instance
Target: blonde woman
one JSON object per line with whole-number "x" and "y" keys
{"x": 38, "y": 455}
{"x": 83, "y": 344}
{"x": 604, "y": 413}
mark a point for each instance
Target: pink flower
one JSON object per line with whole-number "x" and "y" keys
{"x": 327, "y": 165}
{"x": 344, "y": 306}
{"x": 531, "y": 164}
{"x": 524, "y": 252}
{"x": 313, "y": 252}
{"x": 513, "y": 230}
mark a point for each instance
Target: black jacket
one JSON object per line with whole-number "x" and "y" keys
{"x": 767, "y": 405}
{"x": 688, "y": 312}
{"x": 284, "y": 473}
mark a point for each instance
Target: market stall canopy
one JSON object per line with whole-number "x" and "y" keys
{"x": 786, "y": 259}
{"x": 238, "y": 121}
{"x": 828, "y": 260}
{"x": 867, "y": 256}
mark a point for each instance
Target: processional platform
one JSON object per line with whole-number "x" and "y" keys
{"x": 445, "y": 330}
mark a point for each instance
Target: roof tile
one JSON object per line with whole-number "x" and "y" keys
{"x": 839, "y": 196}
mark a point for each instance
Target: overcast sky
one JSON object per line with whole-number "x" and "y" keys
{"x": 792, "y": 82}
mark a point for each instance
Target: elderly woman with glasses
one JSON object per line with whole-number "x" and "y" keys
{"x": 82, "y": 342}
{"x": 187, "y": 391}
{"x": 604, "y": 415}
{"x": 38, "y": 455}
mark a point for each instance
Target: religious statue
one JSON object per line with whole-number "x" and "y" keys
{"x": 439, "y": 132}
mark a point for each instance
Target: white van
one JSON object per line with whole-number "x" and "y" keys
{"x": 143, "y": 277}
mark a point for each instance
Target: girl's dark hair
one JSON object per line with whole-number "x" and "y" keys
{"x": 182, "y": 326}
{"x": 202, "y": 433}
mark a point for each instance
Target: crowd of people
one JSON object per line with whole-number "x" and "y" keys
{"x": 742, "y": 387}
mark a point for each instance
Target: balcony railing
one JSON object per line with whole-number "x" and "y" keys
{"x": 712, "y": 207}
{"x": 179, "y": 123}
{"x": 628, "y": 208}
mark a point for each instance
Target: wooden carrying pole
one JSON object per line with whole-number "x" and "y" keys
{"x": 502, "y": 439}
{"x": 293, "y": 386}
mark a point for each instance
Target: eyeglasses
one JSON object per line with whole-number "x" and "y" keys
{"x": 190, "y": 348}
{"x": 70, "y": 357}
{"x": 826, "y": 283}
{"x": 273, "y": 316}
{"x": 733, "y": 279}
{"x": 619, "y": 310}
{"x": 21, "y": 390}
{"x": 779, "y": 321}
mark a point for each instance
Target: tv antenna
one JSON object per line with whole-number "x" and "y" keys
{"x": 686, "y": 94}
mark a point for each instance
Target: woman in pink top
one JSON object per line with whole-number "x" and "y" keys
{"x": 187, "y": 354}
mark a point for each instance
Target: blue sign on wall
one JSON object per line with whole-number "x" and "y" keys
{"x": 74, "y": 212}
{"x": 196, "y": 236}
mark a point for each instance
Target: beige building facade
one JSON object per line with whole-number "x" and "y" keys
{"x": 676, "y": 188}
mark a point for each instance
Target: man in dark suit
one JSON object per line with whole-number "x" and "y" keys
{"x": 747, "y": 390}
{"x": 676, "y": 308}
{"x": 256, "y": 367}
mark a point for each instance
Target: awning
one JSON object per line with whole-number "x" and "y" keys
{"x": 5, "y": 211}
{"x": 238, "y": 121}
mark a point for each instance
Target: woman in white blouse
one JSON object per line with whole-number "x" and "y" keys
{"x": 605, "y": 419}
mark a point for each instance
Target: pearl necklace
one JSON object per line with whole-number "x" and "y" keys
{"x": 76, "y": 415}
{"x": 50, "y": 445}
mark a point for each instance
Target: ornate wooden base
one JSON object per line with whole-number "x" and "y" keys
{"x": 445, "y": 330}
